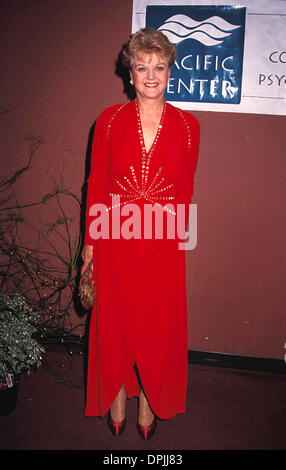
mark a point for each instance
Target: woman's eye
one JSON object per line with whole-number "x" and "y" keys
{"x": 141, "y": 69}
{"x": 160, "y": 68}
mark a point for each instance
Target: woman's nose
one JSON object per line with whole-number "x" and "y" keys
{"x": 150, "y": 73}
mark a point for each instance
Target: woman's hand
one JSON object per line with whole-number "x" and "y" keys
{"x": 86, "y": 256}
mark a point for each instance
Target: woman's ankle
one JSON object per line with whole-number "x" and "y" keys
{"x": 145, "y": 415}
{"x": 117, "y": 409}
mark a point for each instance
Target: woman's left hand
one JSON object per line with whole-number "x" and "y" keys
{"x": 86, "y": 256}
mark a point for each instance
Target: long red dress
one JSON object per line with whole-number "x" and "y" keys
{"x": 140, "y": 314}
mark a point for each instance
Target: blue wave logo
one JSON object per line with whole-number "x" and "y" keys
{"x": 210, "y": 32}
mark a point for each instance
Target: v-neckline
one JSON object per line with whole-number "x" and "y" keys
{"x": 140, "y": 129}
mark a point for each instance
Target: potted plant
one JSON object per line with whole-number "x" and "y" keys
{"x": 19, "y": 349}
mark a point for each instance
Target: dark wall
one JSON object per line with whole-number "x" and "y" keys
{"x": 58, "y": 74}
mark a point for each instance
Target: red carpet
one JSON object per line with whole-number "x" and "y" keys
{"x": 226, "y": 410}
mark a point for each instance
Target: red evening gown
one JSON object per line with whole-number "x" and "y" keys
{"x": 140, "y": 314}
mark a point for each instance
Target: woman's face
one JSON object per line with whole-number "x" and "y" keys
{"x": 150, "y": 73}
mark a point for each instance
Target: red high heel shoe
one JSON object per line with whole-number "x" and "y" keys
{"x": 146, "y": 432}
{"x": 115, "y": 427}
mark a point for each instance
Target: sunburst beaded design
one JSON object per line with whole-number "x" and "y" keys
{"x": 134, "y": 188}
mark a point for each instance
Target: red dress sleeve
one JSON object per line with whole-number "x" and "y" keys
{"x": 98, "y": 172}
{"x": 193, "y": 129}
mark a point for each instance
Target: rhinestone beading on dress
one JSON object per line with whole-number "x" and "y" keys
{"x": 154, "y": 191}
{"x": 146, "y": 157}
{"x": 111, "y": 119}
{"x": 188, "y": 128}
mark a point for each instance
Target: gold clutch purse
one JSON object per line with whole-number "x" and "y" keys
{"x": 86, "y": 288}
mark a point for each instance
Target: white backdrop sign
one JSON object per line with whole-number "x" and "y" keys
{"x": 231, "y": 55}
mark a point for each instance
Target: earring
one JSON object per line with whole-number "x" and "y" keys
{"x": 131, "y": 81}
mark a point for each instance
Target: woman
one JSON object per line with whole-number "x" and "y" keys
{"x": 145, "y": 154}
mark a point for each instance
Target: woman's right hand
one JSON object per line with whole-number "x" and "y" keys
{"x": 86, "y": 256}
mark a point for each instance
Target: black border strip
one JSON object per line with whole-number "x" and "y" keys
{"x": 76, "y": 343}
{"x": 231, "y": 361}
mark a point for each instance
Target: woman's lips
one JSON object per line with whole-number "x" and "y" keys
{"x": 151, "y": 85}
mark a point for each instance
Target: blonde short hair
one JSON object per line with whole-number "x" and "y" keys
{"x": 147, "y": 41}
